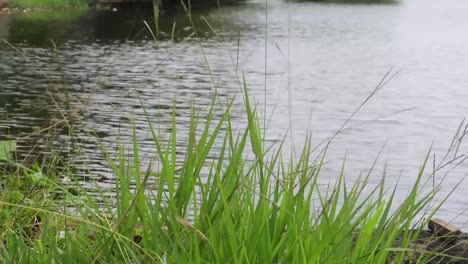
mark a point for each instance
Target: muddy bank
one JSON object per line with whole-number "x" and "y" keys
{"x": 446, "y": 240}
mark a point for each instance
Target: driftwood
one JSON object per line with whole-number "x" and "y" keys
{"x": 443, "y": 229}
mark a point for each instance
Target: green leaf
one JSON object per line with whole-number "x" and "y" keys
{"x": 6, "y": 147}
{"x": 36, "y": 176}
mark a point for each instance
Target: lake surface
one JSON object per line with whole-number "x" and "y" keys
{"x": 323, "y": 61}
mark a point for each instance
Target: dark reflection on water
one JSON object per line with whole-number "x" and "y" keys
{"x": 79, "y": 75}
{"x": 88, "y": 71}
{"x": 85, "y": 27}
{"x": 75, "y": 79}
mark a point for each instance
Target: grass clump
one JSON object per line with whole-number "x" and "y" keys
{"x": 221, "y": 208}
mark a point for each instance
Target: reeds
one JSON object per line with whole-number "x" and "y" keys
{"x": 225, "y": 209}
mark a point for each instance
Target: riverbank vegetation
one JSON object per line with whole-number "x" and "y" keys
{"x": 65, "y": 4}
{"x": 50, "y": 4}
{"x": 242, "y": 204}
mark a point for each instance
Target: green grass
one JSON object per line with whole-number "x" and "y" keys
{"x": 50, "y": 4}
{"x": 6, "y": 148}
{"x": 208, "y": 210}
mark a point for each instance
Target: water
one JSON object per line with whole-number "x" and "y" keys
{"x": 323, "y": 61}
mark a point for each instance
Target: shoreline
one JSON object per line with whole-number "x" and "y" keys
{"x": 16, "y": 10}
{"x": 444, "y": 247}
